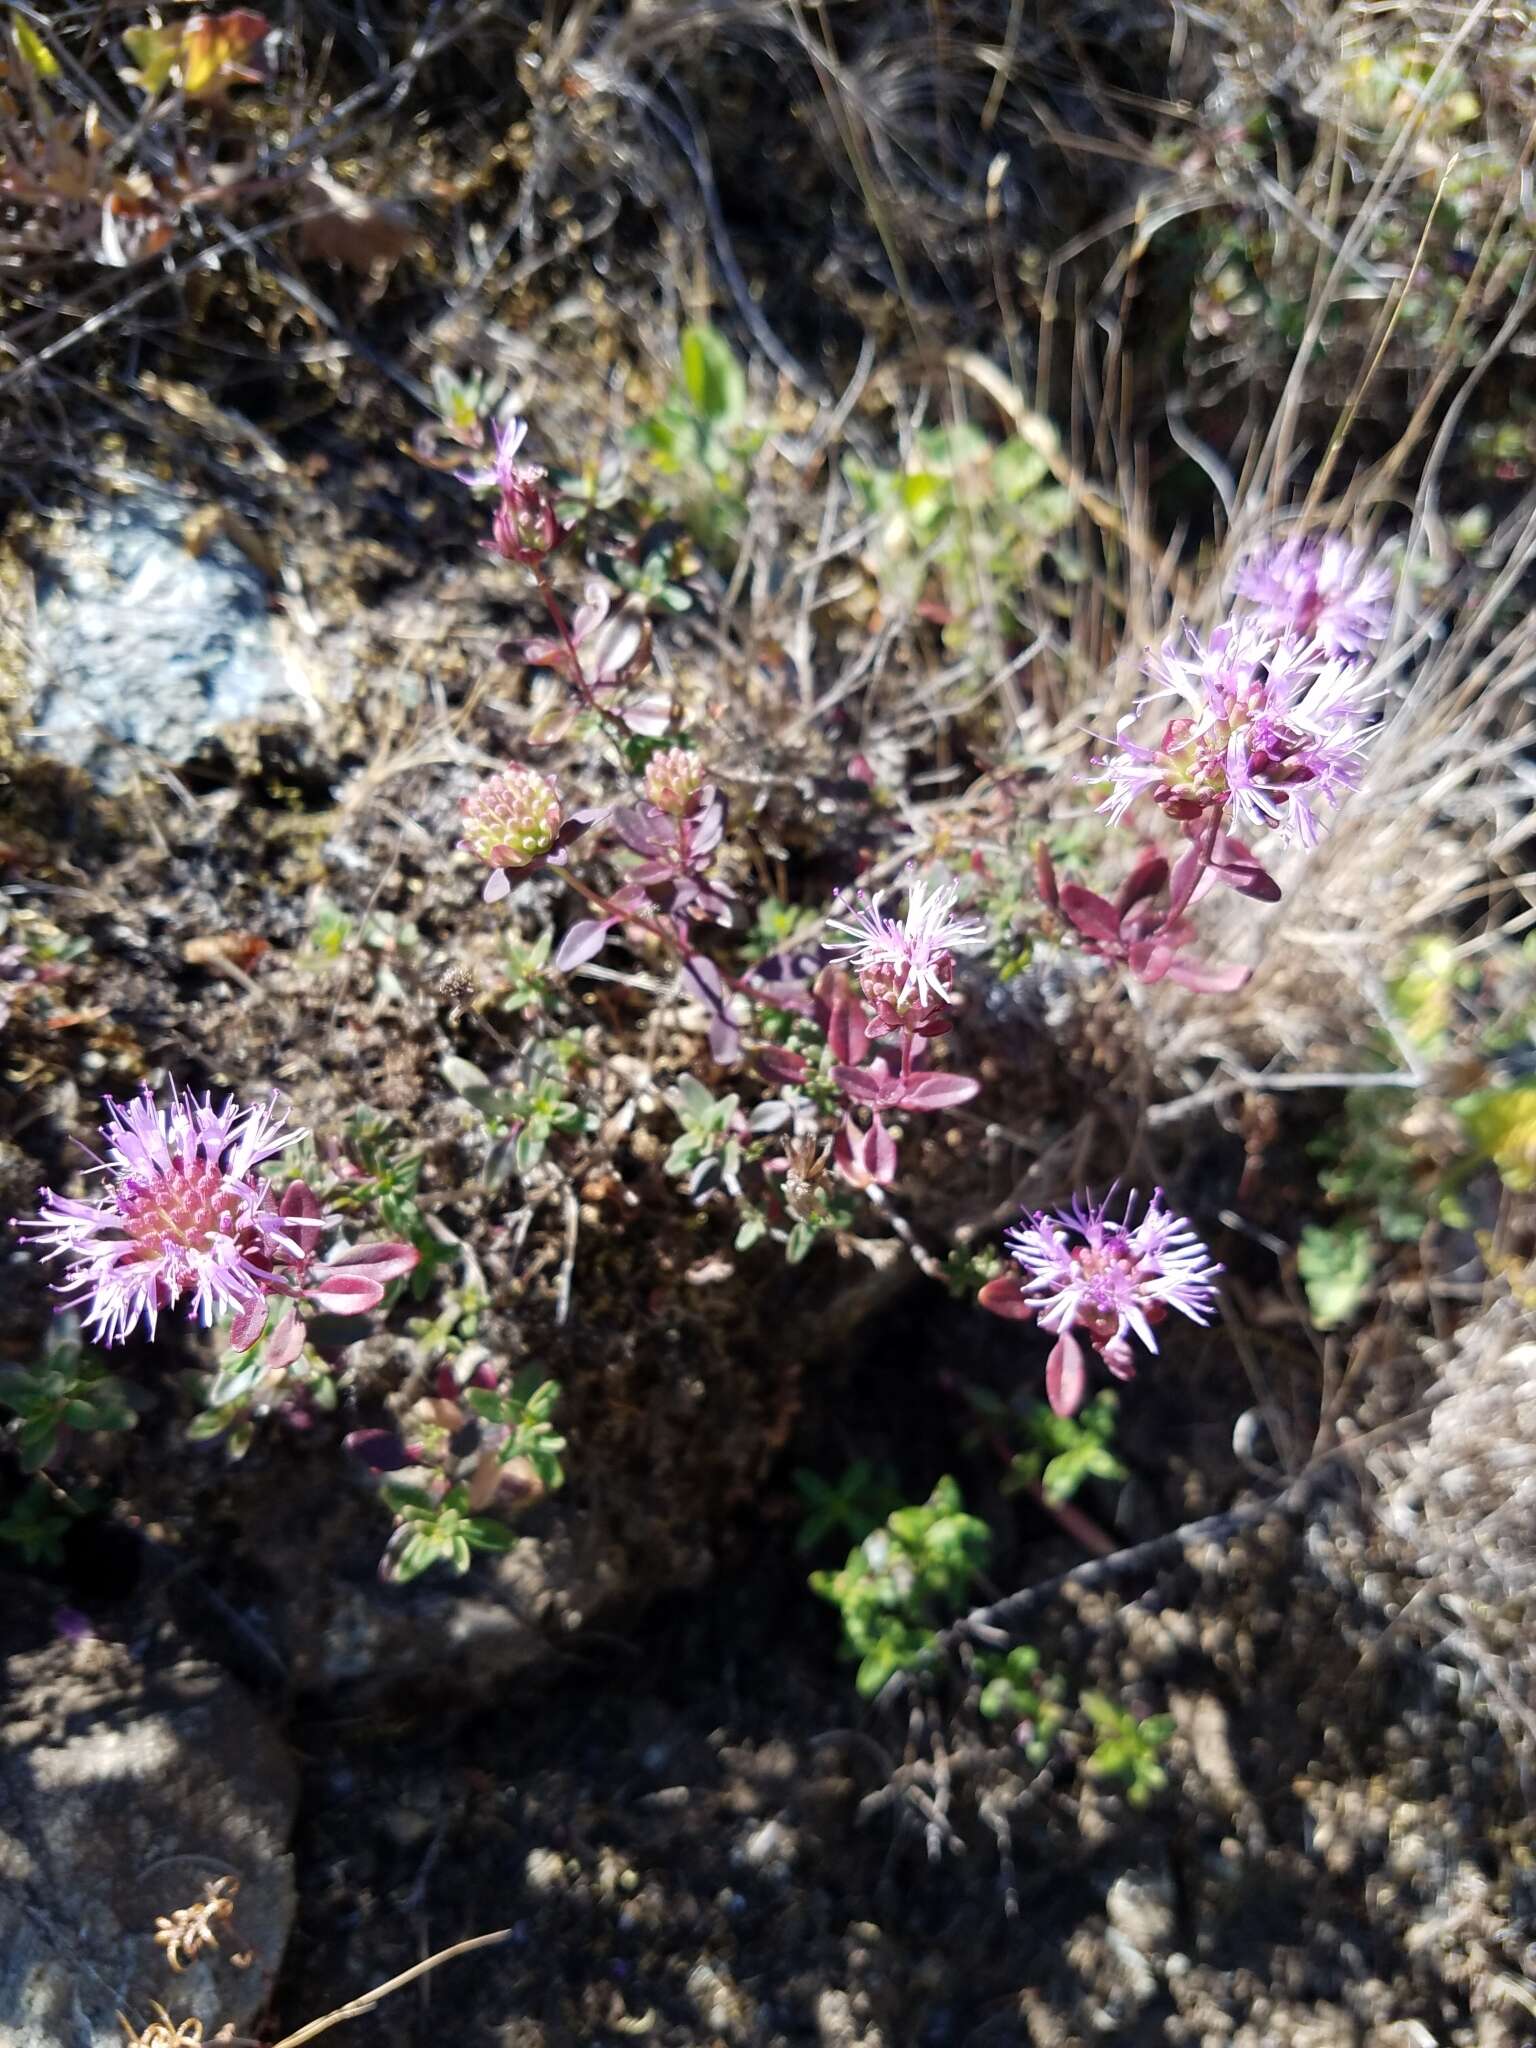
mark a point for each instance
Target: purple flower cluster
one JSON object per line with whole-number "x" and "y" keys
{"x": 187, "y": 1215}
{"x": 184, "y": 1214}
{"x": 1110, "y": 1279}
{"x": 906, "y": 966}
{"x": 525, "y": 528}
{"x": 1322, "y": 592}
{"x": 1273, "y": 710}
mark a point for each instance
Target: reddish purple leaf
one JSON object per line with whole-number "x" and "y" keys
{"x": 346, "y": 1294}
{"x": 937, "y": 1091}
{"x": 1005, "y": 1297}
{"x": 384, "y": 1261}
{"x": 701, "y": 977}
{"x": 1243, "y": 871}
{"x": 645, "y": 831}
{"x": 1066, "y": 1378}
{"x": 497, "y": 885}
{"x": 248, "y": 1324}
{"x": 843, "y": 1016}
{"x": 880, "y": 1153}
{"x": 707, "y": 828}
{"x": 1145, "y": 879}
{"x": 287, "y": 1340}
{"x": 1091, "y": 915}
{"x": 780, "y": 1064}
{"x": 1150, "y": 959}
{"x": 583, "y": 942}
{"x": 873, "y": 1084}
{"x": 865, "y": 1158}
{"x": 303, "y": 1223}
{"x": 1208, "y": 980}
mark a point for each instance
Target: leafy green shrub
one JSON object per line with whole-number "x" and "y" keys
{"x": 1014, "y": 1691}
{"x": 698, "y": 440}
{"x": 1127, "y": 1750}
{"x": 849, "y": 1507}
{"x": 979, "y": 518}
{"x": 907, "y": 1578}
{"x": 70, "y": 1391}
{"x": 1064, "y": 1451}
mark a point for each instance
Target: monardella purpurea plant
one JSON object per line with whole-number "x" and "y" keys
{"x": 906, "y": 981}
{"x": 185, "y": 1215}
{"x": 1082, "y": 1271}
{"x": 1264, "y": 728}
{"x": 670, "y": 838}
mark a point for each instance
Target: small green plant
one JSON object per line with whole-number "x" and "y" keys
{"x": 1336, "y": 1266}
{"x": 977, "y": 516}
{"x": 37, "y": 1522}
{"x": 1063, "y": 1451}
{"x": 523, "y": 1411}
{"x": 1127, "y": 1749}
{"x": 456, "y": 1324}
{"x": 848, "y": 1507}
{"x": 523, "y": 1118}
{"x": 334, "y": 932}
{"x": 430, "y": 1532}
{"x": 1500, "y": 1122}
{"x": 1370, "y": 1169}
{"x": 708, "y": 1154}
{"x": 968, "y": 1268}
{"x": 463, "y": 403}
{"x": 471, "y": 1445}
{"x": 907, "y": 1578}
{"x": 1014, "y": 1691}
{"x": 777, "y": 926}
{"x": 698, "y": 439}
{"x": 530, "y": 985}
{"x": 71, "y": 1391}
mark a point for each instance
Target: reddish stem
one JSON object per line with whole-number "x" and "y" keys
{"x": 616, "y": 729}
{"x": 1179, "y": 903}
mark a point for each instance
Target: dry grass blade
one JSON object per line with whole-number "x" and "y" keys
{"x": 355, "y": 2008}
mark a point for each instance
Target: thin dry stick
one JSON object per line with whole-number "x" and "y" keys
{"x": 356, "y": 2007}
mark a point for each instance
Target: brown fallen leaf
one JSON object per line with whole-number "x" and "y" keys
{"x": 225, "y": 949}
{"x": 349, "y": 230}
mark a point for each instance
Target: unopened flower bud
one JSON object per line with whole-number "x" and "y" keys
{"x": 896, "y": 1002}
{"x": 673, "y": 778}
{"x": 512, "y": 819}
{"x": 525, "y": 528}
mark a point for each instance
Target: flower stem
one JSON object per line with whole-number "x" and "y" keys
{"x": 1206, "y": 848}
{"x": 615, "y": 727}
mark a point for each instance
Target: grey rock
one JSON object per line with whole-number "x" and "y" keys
{"x": 140, "y": 641}
{"x": 122, "y": 1796}
{"x": 1143, "y": 1905}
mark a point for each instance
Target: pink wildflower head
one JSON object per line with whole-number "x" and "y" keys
{"x": 513, "y": 820}
{"x": 506, "y": 472}
{"x": 673, "y": 780}
{"x": 1110, "y": 1280}
{"x": 184, "y": 1215}
{"x": 526, "y": 526}
{"x": 906, "y": 968}
{"x": 1266, "y": 731}
{"x": 1324, "y": 592}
